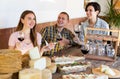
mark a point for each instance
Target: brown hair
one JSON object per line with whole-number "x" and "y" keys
{"x": 33, "y": 35}
{"x": 65, "y": 14}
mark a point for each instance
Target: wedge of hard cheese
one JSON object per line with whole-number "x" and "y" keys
{"x": 48, "y": 61}
{"x": 52, "y": 68}
{"x": 6, "y": 76}
{"x": 46, "y": 74}
{"x": 30, "y": 74}
{"x": 38, "y": 63}
{"x": 34, "y": 53}
{"x": 107, "y": 70}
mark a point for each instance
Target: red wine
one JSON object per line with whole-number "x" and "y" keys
{"x": 84, "y": 51}
{"x": 59, "y": 39}
{"x": 77, "y": 32}
{"x": 20, "y": 38}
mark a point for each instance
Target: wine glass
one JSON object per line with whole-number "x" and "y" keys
{"x": 85, "y": 49}
{"x": 21, "y": 36}
{"x": 77, "y": 28}
{"x": 59, "y": 36}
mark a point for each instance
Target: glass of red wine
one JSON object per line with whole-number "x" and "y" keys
{"x": 77, "y": 28}
{"x": 85, "y": 49}
{"x": 59, "y": 37}
{"x": 21, "y": 36}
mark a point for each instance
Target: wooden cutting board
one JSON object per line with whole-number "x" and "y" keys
{"x": 98, "y": 72}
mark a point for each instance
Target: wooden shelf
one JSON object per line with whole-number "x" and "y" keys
{"x": 95, "y": 57}
{"x": 105, "y": 38}
{"x": 102, "y": 37}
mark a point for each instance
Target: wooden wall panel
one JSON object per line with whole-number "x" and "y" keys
{"x": 4, "y": 36}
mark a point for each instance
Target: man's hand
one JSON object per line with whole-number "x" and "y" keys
{"x": 64, "y": 42}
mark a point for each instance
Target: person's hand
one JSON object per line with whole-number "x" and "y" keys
{"x": 64, "y": 42}
{"x": 43, "y": 49}
{"x": 48, "y": 47}
{"x": 51, "y": 45}
{"x": 77, "y": 40}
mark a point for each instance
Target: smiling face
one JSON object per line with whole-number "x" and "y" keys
{"x": 91, "y": 13}
{"x": 29, "y": 21}
{"x": 92, "y": 10}
{"x": 62, "y": 20}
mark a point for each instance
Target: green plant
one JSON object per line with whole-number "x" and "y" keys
{"x": 113, "y": 15}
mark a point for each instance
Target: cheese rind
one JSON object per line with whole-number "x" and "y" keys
{"x": 30, "y": 74}
{"x": 52, "y": 68}
{"x": 46, "y": 74}
{"x": 103, "y": 68}
{"x": 107, "y": 70}
{"x": 110, "y": 72}
{"x": 48, "y": 61}
{"x": 6, "y": 76}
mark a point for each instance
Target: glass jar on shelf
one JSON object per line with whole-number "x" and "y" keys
{"x": 101, "y": 50}
{"x": 110, "y": 50}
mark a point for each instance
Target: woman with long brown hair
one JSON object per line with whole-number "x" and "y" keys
{"x": 25, "y": 37}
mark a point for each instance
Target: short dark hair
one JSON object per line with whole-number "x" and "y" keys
{"x": 95, "y": 5}
{"x": 65, "y": 14}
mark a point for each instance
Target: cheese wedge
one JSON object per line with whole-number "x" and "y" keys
{"x": 48, "y": 61}
{"x": 46, "y": 74}
{"x": 38, "y": 63}
{"x": 107, "y": 70}
{"x": 6, "y": 76}
{"x": 103, "y": 68}
{"x": 34, "y": 53}
{"x": 30, "y": 74}
{"x": 52, "y": 68}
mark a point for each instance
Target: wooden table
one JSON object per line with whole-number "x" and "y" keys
{"x": 75, "y": 51}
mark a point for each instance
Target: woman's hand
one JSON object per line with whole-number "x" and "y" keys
{"x": 49, "y": 47}
{"x": 45, "y": 48}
